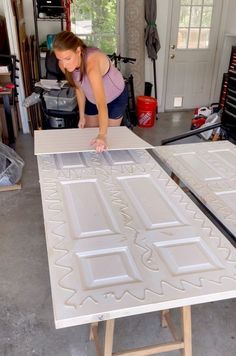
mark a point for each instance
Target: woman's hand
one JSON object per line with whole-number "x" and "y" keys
{"x": 81, "y": 123}
{"x": 100, "y": 143}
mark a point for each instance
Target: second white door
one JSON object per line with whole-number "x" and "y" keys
{"x": 194, "y": 32}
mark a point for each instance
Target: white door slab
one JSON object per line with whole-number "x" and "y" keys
{"x": 124, "y": 239}
{"x": 192, "y": 52}
{"x": 78, "y": 140}
{"x": 208, "y": 169}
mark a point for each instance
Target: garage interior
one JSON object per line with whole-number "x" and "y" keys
{"x": 26, "y": 311}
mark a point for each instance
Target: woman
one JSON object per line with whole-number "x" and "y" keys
{"x": 100, "y": 88}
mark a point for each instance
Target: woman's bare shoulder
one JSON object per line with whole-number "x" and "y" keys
{"x": 98, "y": 59}
{"x": 97, "y": 55}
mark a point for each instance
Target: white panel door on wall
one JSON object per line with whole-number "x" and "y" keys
{"x": 192, "y": 49}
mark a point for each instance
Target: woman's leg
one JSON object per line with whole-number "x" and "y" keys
{"x": 114, "y": 122}
{"x": 92, "y": 121}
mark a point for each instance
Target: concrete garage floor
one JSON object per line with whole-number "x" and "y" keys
{"x": 26, "y": 315}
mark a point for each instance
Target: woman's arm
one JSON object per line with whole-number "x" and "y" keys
{"x": 94, "y": 72}
{"x": 81, "y": 103}
{"x": 80, "y": 100}
{"x": 96, "y": 82}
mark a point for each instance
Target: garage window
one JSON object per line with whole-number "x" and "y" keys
{"x": 95, "y": 21}
{"x": 195, "y": 24}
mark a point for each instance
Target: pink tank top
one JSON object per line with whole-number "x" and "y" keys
{"x": 113, "y": 81}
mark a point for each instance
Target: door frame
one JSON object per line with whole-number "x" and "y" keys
{"x": 219, "y": 46}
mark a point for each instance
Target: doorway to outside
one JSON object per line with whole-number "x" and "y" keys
{"x": 192, "y": 50}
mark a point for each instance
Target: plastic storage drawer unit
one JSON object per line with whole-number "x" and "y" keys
{"x": 64, "y": 100}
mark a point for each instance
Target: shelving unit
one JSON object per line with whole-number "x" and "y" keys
{"x": 37, "y": 19}
{"x": 229, "y": 95}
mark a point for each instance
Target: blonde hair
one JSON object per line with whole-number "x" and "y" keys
{"x": 67, "y": 40}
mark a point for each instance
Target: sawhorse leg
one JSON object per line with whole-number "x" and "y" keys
{"x": 109, "y": 335}
{"x": 94, "y": 337}
{"x": 183, "y": 343}
{"x": 187, "y": 331}
{"x": 186, "y": 328}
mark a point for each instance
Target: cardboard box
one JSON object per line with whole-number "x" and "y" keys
{"x": 4, "y": 69}
{"x": 5, "y": 78}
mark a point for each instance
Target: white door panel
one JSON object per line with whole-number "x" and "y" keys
{"x": 191, "y": 62}
{"x": 124, "y": 239}
{"x": 209, "y": 171}
{"x": 78, "y": 140}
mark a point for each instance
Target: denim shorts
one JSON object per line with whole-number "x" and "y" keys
{"x": 116, "y": 108}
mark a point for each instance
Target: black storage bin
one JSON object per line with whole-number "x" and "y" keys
{"x": 59, "y": 119}
{"x": 50, "y": 7}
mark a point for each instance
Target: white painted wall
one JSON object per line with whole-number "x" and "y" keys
{"x": 231, "y": 23}
{"x": 163, "y": 16}
{"x": 222, "y": 55}
{"x": 226, "y": 40}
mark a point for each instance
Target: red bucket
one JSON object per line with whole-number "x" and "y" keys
{"x": 146, "y": 111}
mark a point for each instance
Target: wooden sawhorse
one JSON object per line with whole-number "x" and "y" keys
{"x": 182, "y": 343}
